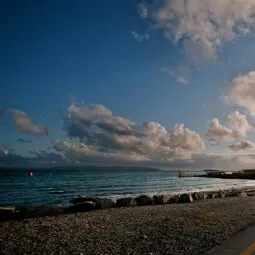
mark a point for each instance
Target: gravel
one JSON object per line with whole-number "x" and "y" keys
{"x": 192, "y": 228}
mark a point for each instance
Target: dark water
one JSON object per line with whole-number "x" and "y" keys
{"x": 48, "y": 186}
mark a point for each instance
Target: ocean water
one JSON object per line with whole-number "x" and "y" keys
{"x": 59, "y": 186}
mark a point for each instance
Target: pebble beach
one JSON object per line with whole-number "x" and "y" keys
{"x": 191, "y": 228}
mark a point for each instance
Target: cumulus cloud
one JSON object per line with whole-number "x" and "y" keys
{"x": 101, "y": 132}
{"x": 237, "y": 127}
{"x": 197, "y": 161}
{"x": 202, "y": 25}
{"x": 100, "y": 116}
{"x": 238, "y": 123}
{"x": 75, "y": 149}
{"x": 24, "y": 124}
{"x": 199, "y": 27}
{"x": 217, "y": 132}
{"x": 243, "y": 145}
{"x": 242, "y": 91}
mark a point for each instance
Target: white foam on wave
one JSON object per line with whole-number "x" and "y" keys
{"x": 230, "y": 186}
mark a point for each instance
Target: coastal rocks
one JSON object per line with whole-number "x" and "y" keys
{"x": 212, "y": 195}
{"x": 250, "y": 194}
{"x": 215, "y": 194}
{"x": 221, "y": 194}
{"x": 173, "y": 199}
{"x": 126, "y": 202}
{"x": 82, "y": 199}
{"x": 105, "y": 203}
{"x": 199, "y": 196}
{"x": 185, "y": 198}
{"x": 81, "y": 207}
{"x": 40, "y": 211}
{"x": 85, "y": 204}
{"x": 7, "y": 213}
{"x": 144, "y": 200}
{"x": 164, "y": 199}
{"x": 237, "y": 193}
{"x": 161, "y": 199}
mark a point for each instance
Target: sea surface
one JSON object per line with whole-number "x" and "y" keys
{"x": 59, "y": 186}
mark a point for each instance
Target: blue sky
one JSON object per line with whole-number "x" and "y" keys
{"x": 138, "y": 62}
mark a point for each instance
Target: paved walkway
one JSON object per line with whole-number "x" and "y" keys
{"x": 242, "y": 243}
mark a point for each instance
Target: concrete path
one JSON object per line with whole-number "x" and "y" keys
{"x": 242, "y": 243}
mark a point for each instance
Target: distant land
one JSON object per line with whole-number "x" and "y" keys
{"x": 82, "y": 168}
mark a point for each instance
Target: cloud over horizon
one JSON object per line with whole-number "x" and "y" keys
{"x": 237, "y": 127}
{"x": 98, "y": 130}
{"x": 243, "y": 145}
{"x": 96, "y": 136}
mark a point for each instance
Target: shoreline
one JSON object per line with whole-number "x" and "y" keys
{"x": 190, "y": 229}
{"x": 86, "y": 203}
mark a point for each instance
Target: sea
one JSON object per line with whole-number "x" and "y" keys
{"x": 58, "y": 186}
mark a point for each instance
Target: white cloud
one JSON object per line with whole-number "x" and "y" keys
{"x": 24, "y": 124}
{"x": 216, "y": 132}
{"x": 139, "y": 37}
{"x": 79, "y": 149}
{"x": 243, "y": 145}
{"x": 238, "y": 123}
{"x": 242, "y": 91}
{"x": 237, "y": 127}
{"x": 101, "y": 116}
{"x": 183, "y": 80}
{"x": 142, "y": 11}
{"x": 108, "y": 135}
{"x": 181, "y": 74}
{"x": 202, "y": 25}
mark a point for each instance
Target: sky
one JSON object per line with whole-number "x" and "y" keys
{"x": 160, "y": 83}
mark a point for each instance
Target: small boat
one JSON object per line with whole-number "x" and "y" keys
{"x": 30, "y": 174}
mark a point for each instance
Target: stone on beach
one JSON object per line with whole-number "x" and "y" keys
{"x": 221, "y": 194}
{"x": 236, "y": 193}
{"x": 82, "y": 199}
{"x": 161, "y": 199}
{"x": 40, "y": 211}
{"x": 190, "y": 229}
{"x": 144, "y": 200}
{"x": 126, "y": 202}
{"x": 185, "y": 198}
{"x": 173, "y": 199}
{"x": 6, "y": 213}
{"x": 105, "y": 203}
{"x": 199, "y": 196}
{"x": 212, "y": 195}
{"x": 81, "y": 207}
